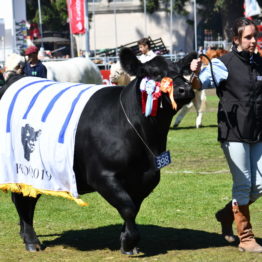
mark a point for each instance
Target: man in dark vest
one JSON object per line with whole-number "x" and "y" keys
{"x": 34, "y": 67}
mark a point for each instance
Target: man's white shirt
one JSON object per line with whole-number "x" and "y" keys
{"x": 146, "y": 57}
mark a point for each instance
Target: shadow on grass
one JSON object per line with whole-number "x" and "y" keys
{"x": 155, "y": 240}
{"x": 191, "y": 127}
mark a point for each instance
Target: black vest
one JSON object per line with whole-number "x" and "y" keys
{"x": 240, "y": 106}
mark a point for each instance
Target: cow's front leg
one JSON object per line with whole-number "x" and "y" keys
{"x": 25, "y": 207}
{"x": 127, "y": 247}
{"x": 117, "y": 196}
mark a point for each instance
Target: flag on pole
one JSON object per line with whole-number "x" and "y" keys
{"x": 76, "y": 14}
{"x": 252, "y": 8}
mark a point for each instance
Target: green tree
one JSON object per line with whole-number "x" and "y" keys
{"x": 221, "y": 13}
{"x": 54, "y": 14}
{"x": 224, "y": 10}
{"x": 229, "y": 11}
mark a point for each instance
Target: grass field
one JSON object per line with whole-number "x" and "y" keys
{"x": 176, "y": 221}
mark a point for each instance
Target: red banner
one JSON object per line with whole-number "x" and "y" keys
{"x": 76, "y": 14}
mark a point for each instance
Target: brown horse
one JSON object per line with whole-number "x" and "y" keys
{"x": 213, "y": 53}
{"x": 199, "y": 101}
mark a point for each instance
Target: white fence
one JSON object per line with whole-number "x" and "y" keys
{"x": 218, "y": 44}
{"x": 105, "y": 62}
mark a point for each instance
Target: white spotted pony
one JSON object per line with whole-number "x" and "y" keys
{"x": 118, "y": 76}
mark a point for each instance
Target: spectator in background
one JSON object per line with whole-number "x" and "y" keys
{"x": 145, "y": 49}
{"x": 82, "y": 53}
{"x": 34, "y": 66}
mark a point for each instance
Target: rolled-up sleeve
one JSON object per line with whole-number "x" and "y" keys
{"x": 220, "y": 74}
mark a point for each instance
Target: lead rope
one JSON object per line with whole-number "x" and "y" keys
{"x": 131, "y": 124}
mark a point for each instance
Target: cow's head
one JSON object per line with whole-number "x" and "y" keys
{"x": 28, "y": 137}
{"x": 159, "y": 68}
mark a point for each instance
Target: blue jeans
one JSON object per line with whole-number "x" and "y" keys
{"x": 245, "y": 163}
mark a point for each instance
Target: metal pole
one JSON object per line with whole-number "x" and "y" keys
{"x": 171, "y": 28}
{"x": 94, "y": 21}
{"x": 40, "y": 23}
{"x": 14, "y": 46}
{"x": 116, "y": 44}
{"x": 87, "y": 40}
{"x": 195, "y": 25}
{"x": 145, "y": 18}
{"x": 71, "y": 42}
{"x": 70, "y": 28}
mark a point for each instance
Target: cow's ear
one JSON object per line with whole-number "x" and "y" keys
{"x": 129, "y": 61}
{"x": 184, "y": 63}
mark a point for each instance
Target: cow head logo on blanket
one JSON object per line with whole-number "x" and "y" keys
{"x": 29, "y": 137}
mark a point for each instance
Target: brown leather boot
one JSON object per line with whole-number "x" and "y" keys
{"x": 244, "y": 230}
{"x": 226, "y": 217}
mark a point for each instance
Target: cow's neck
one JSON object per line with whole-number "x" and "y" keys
{"x": 154, "y": 130}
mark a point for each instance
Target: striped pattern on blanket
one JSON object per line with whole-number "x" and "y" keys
{"x": 38, "y": 122}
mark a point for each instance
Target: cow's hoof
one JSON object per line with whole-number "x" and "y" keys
{"x": 33, "y": 247}
{"x": 134, "y": 251}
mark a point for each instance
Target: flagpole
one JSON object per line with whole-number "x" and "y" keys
{"x": 70, "y": 28}
{"x": 94, "y": 27}
{"x": 195, "y": 25}
{"x": 87, "y": 40}
{"x": 145, "y": 18}
{"x": 40, "y": 23}
{"x": 171, "y": 27}
{"x": 116, "y": 44}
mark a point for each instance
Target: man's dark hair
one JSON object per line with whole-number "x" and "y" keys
{"x": 144, "y": 41}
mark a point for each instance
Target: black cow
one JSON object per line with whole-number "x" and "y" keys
{"x": 115, "y": 146}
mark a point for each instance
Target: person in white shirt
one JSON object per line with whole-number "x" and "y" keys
{"x": 145, "y": 49}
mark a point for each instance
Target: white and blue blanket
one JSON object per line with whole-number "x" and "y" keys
{"x": 38, "y": 122}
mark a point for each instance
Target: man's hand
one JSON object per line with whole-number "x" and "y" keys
{"x": 195, "y": 65}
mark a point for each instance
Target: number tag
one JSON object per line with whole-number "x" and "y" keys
{"x": 163, "y": 159}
